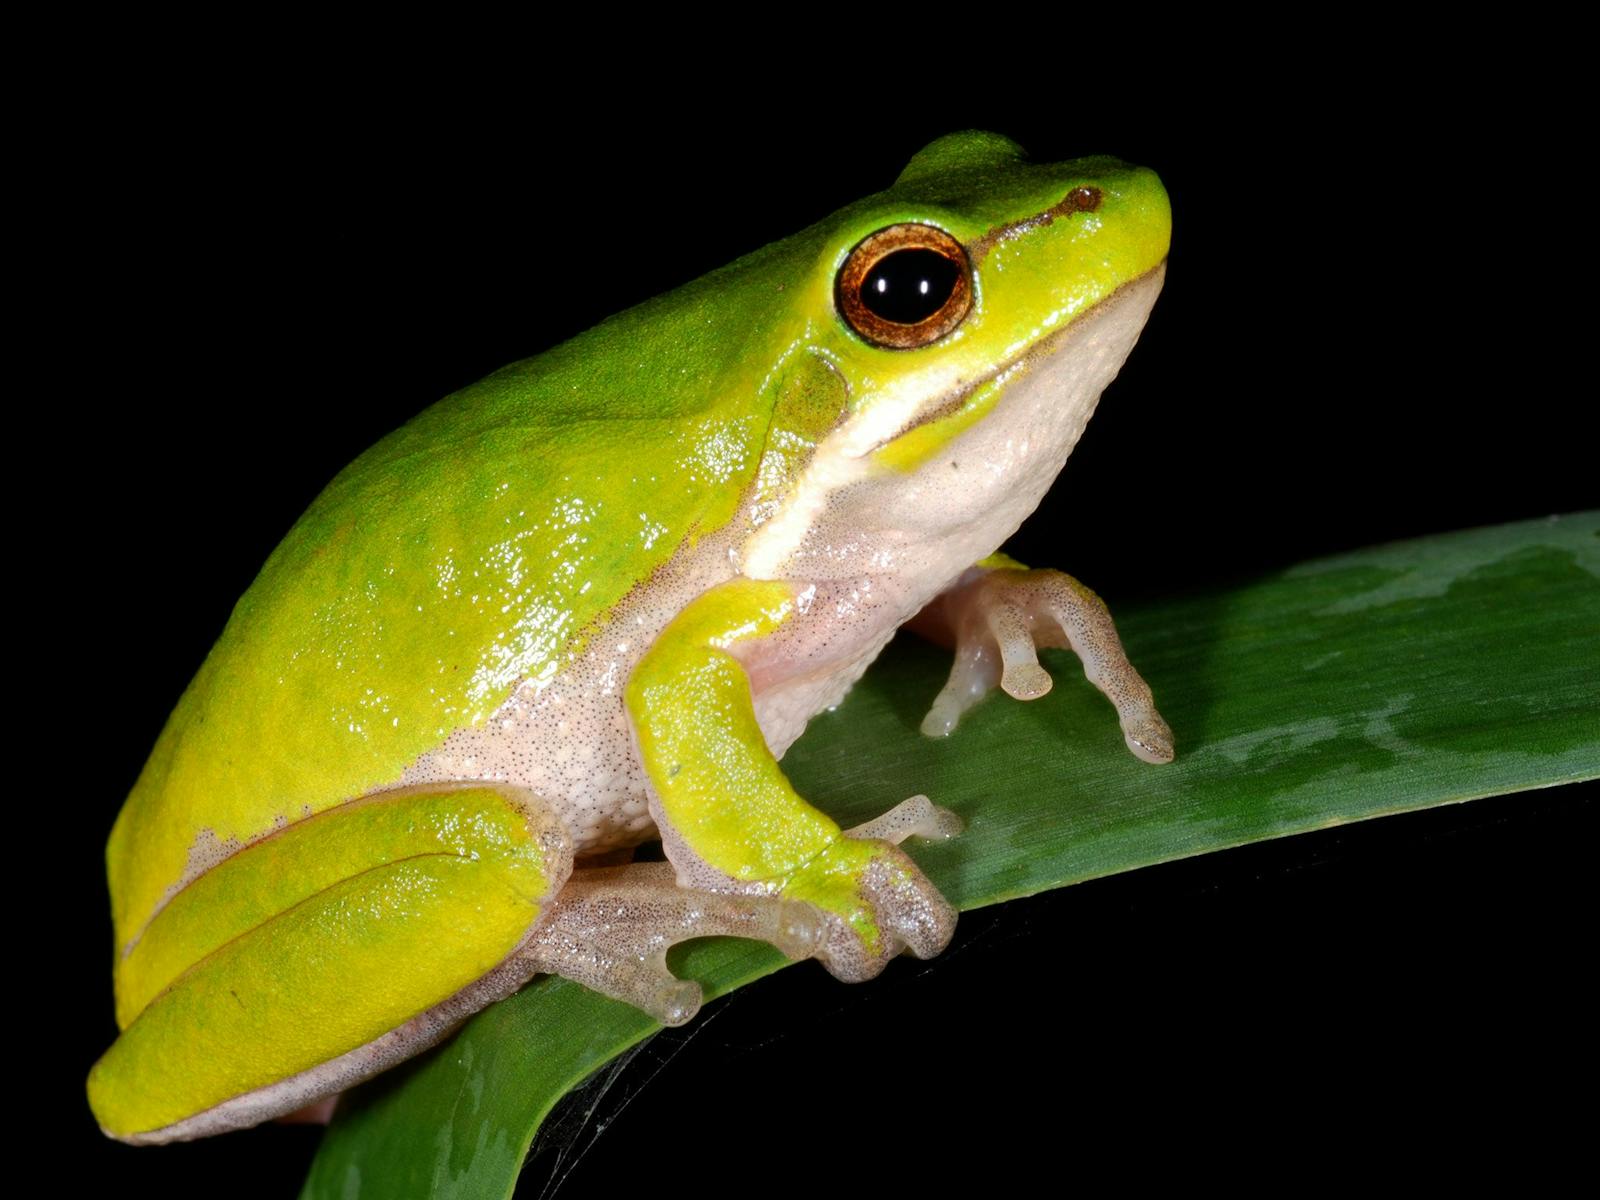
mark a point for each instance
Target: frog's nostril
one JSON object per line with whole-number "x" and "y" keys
{"x": 1082, "y": 199}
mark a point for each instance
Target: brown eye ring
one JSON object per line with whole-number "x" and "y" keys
{"x": 905, "y": 286}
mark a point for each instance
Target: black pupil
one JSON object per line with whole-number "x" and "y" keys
{"x": 909, "y": 285}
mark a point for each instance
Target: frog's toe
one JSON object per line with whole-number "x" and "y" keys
{"x": 915, "y": 817}
{"x": 801, "y": 929}
{"x": 1149, "y": 738}
{"x": 973, "y": 675}
{"x": 676, "y": 1002}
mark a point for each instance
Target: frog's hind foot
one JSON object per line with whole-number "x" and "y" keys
{"x": 611, "y": 928}
{"x": 999, "y": 617}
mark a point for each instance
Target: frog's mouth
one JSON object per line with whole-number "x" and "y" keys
{"x": 1083, "y": 339}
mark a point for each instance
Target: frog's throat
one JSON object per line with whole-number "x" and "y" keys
{"x": 837, "y": 464}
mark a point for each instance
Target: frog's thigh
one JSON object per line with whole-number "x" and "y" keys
{"x": 998, "y": 613}
{"x": 729, "y": 819}
{"x": 325, "y": 953}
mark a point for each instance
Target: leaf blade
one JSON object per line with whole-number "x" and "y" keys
{"x": 1387, "y": 680}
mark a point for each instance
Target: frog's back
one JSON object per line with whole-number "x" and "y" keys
{"x": 472, "y": 549}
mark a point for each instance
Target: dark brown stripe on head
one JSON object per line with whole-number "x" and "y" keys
{"x": 1079, "y": 199}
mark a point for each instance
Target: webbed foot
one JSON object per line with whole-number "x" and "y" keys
{"x": 998, "y": 617}
{"x": 610, "y": 930}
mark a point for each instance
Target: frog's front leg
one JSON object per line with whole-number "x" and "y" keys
{"x": 730, "y": 821}
{"x": 999, "y": 612}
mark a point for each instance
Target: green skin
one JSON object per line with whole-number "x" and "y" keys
{"x": 485, "y": 548}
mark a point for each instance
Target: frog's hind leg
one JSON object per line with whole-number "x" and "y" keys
{"x": 325, "y": 953}
{"x": 611, "y": 928}
{"x": 999, "y": 613}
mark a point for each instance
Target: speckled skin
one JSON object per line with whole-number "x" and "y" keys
{"x": 469, "y": 601}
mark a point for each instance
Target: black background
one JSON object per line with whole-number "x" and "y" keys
{"x": 1366, "y": 334}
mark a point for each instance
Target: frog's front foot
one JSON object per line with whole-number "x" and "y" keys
{"x": 998, "y": 616}
{"x": 874, "y": 900}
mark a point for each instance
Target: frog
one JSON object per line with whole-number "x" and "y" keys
{"x": 587, "y": 604}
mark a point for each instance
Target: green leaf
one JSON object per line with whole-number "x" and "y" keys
{"x": 1391, "y": 679}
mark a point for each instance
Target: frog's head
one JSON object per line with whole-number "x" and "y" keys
{"x": 974, "y": 311}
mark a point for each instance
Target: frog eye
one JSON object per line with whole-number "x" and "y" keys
{"x": 905, "y": 286}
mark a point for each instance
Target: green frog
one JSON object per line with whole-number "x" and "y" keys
{"x": 589, "y": 602}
